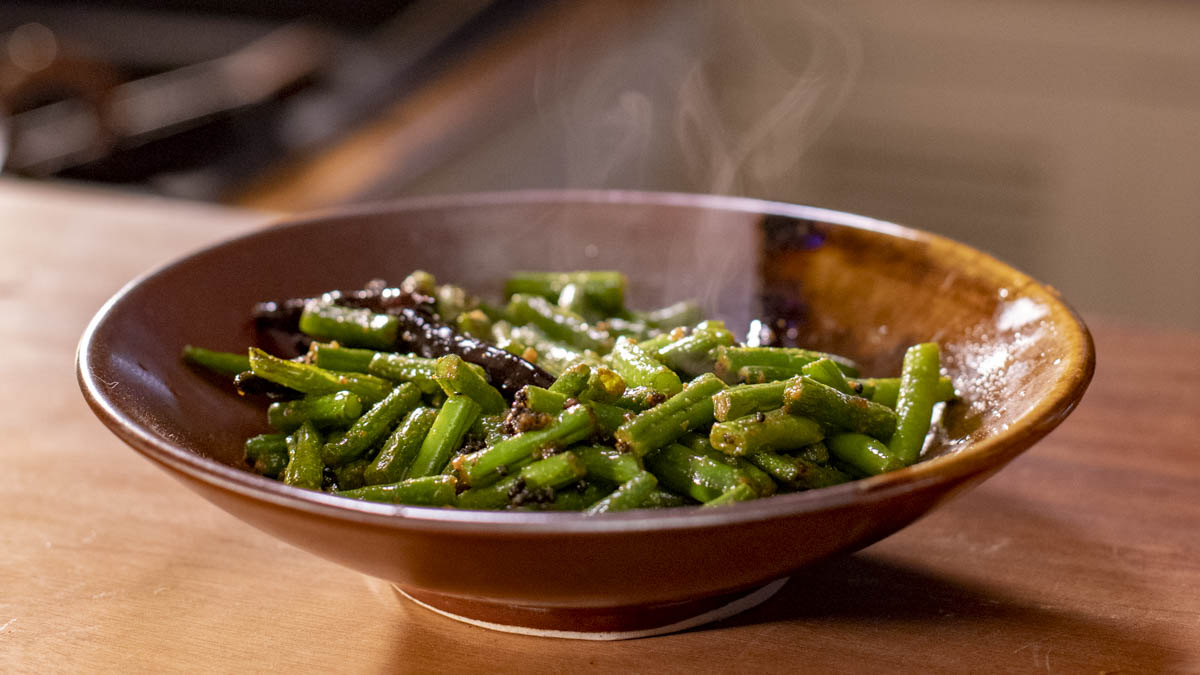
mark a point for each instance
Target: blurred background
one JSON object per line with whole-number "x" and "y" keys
{"x": 1063, "y": 137}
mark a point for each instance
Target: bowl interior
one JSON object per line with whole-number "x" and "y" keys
{"x": 851, "y": 285}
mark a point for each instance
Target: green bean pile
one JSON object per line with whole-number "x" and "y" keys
{"x": 645, "y": 409}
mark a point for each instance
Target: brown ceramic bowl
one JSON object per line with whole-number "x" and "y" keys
{"x": 1020, "y": 357}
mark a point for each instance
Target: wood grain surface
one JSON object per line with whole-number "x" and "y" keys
{"x": 1082, "y": 556}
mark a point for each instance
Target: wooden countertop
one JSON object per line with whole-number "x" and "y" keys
{"x": 1082, "y": 556}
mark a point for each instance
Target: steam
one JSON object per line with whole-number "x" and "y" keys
{"x": 718, "y": 97}
{"x": 714, "y": 97}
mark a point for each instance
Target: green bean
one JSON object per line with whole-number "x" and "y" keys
{"x": 551, "y": 473}
{"x": 765, "y": 374}
{"x": 603, "y": 386}
{"x": 639, "y": 369}
{"x": 557, "y": 323}
{"x": 350, "y": 326}
{"x": 662, "y": 424}
{"x": 267, "y": 454}
{"x": 400, "y": 448}
{"x": 741, "y": 493}
{"x": 372, "y": 427}
{"x": 797, "y": 473}
{"x": 444, "y": 437}
{"x": 863, "y": 453}
{"x": 835, "y": 410}
{"x": 732, "y": 359}
{"x": 484, "y": 467}
{"x": 629, "y": 495}
{"x": 663, "y": 499}
{"x": 886, "y": 390}
{"x": 419, "y": 282}
{"x": 406, "y": 368}
{"x": 572, "y": 497}
{"x": 554, "y": 357}
{"x": 304, "y": 467}
{"x": 574, "y": 299}
{"x": 652, "y": 345}
{"x": 745, "y": 399}
{"x": 311, "y": 379}
{"x": 572, "y": 380}
{"x": 336, "y": 357}
{"x": 350, "y": 475}
{"x": 693, "y": 354}
{"x": 918, "y": 392}
{"x": 602, "y": 289}
{"x": 221, "y": 363}
{"x": 607, "y": 464}
{"x": 424, "y": 491}
{"x": 474, "y": 323}
{"x": 540, "y": 400}
{"x": 699, "y": 475}
{"x": 339, "y": 409}
{"x": 638, "y": 399}
{"x": 817, "y": 452}
{"x": 455, "y": 377}
{"x": 489, "y": 427}
{"x": 685, "y": 313}
{"x": 451, "y": 301}
{"x": 825, "y": 371}
{"x": 776, "y": 430}
{"x": 699, "y": 443}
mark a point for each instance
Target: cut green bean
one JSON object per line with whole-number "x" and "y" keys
{"x": 662, "y": 424}
{"x": 695, "y": 353}
{"x": 886, "y": 390}
{"x": 638, "y": 399}
{"x": 825, "y": 371}
{"x": 486, "y": 466}
{"x": 424, "y": 491}
{"x": 372, "y": 427}
{"x": 350, "y": 475}
{"x": 690, "y": 472}
{"x": 639, "y": 369}
{"x": 572, "y": 497}
{"x": 400, "y": 448}
{"x": 834, "y": 410}
{"x": 603, "y": 385}
{"x": 311, "y": 379}
{"x": 267, "y": 454}
{"x": 451, "y": 301}
{"x": 607, "y": 464}
{"x": 221, "y": 363}
{"x": 444, "y": 437}
{"x": 629, "y": 495}
{"x": 863, "y": 453}
{"x": 474, "y": 323}
{"x": 350, "y": 326}
{"x": 663, "y": 499}
{"x": 604, "y": 290}
{"x": 304, "y": 468}
{"x": 745, "y": 399}
{"x": 684, "y": 313}
{"x": 339, "y": 409}
{"x": 775, "y": 430}
{"x": 699, "y": 443}
{"x": 797, "y": 473}
{"x": 455, "y": 377}
{"x": 551, "y": 473}
{"x": 406, "y": 368}
{"x": 557, "y": 323}
{"x": 729, "y": 360}
{"x": 540, "y": 400}
{"x": 572, "y": 380}
{"x": 741, "y": 493}
{"x": 918, "y": 393}
{"x": 336, "y": 357}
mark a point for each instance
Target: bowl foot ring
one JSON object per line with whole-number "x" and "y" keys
{"x": 620, "y": 623}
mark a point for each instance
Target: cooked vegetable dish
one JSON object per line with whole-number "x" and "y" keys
{"x": 562, "y": 399}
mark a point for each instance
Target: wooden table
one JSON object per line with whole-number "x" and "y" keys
{"x": 1082, "y": 556}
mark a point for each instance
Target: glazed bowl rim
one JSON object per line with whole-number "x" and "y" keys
{"x": 991, "y": 452}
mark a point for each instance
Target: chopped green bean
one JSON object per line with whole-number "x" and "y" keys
{"x": 667, "y": 421}
{"x": 444, "y": 437}
{"x": 304, "y": 468}
{"x": 455, "y": 377}
{"x": 639, "y": 369}
{"x": 400, "y": 448}
{"x": 372, "y": 427}
{"x": 834, "y": 410}
{"x": 339, "y": 409}
{"x": 350, "y": 326}
{"x": 629, "y": 495}
{"x": 424, "y": 491}
{"x": 221, "y": 363}
{"x": 311, "y": 379}
{"x": 775, "y": 430}
{"x": 267, "y": 454}
{"x": 918, "y": 392}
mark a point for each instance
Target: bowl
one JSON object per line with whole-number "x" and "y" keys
{"x": 1019, "y": 356}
